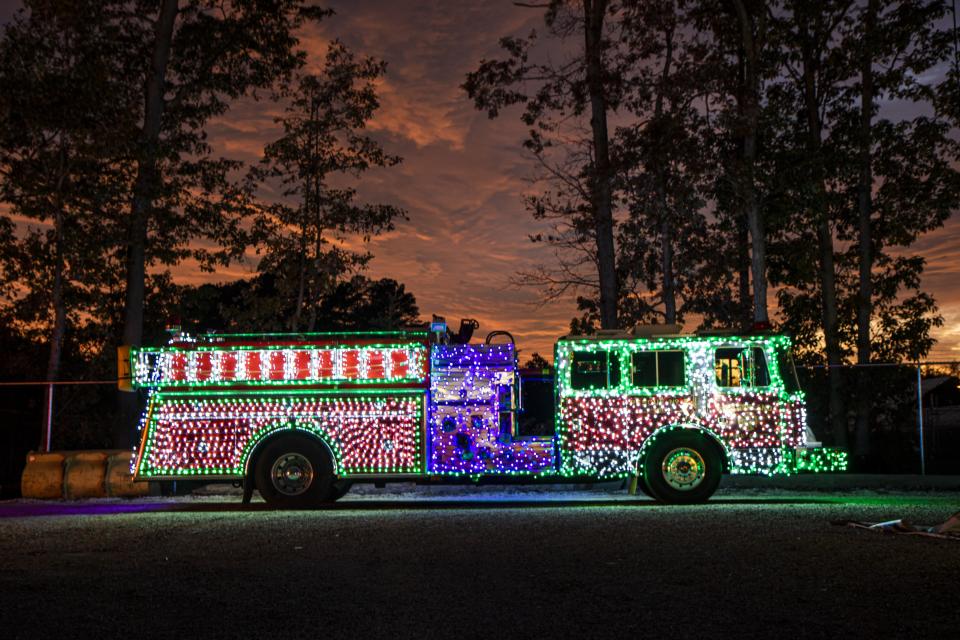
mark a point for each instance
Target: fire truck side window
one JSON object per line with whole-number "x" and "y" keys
{"x": 729, "y": 365}
{"x": 788, "y": 372}
{"x": 670, "y": 369}
{"x": 595, "y": 369}
{"x": 658, "y": 368}
{"x": 645, "y": 369}
{"x": 761, "y": 373}
{"x": 741, "y": 367}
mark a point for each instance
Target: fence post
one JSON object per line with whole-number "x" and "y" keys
{"x": 923, "y": 458}
{"x": 46, "y": 438}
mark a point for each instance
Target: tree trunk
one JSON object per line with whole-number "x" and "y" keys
{"x": 666, "y": 227}
{"x": 318, "y": 286}
{"x": 312, "y": 324}
{"x": 309, "y": 213}
{"x": 59, "y": 305}
{"x": 758, "y": 241}
{"x": 669, "y": 293}
{"x": 828, "y": 292}
{"x": 302, "y": 283}
{"x": 148, "y": 174}
{"x": 600, "y": 183}
{"x": 58, "y": 331}
{"x": 828, "y": 288}
{"x": 314, "y": 298}
{"x": 145, "y": 188}
{"x": 865, "y": 240}
{"x": 57, "y": 301}
{"x": 750, "y": 113}
{"x": 745, "y": 310}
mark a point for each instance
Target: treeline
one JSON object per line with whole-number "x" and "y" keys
{"x": 110, "y": 181}
{"x": 696, "y": 155}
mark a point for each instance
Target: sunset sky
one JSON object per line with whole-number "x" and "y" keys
{"x": 463, "y": 175}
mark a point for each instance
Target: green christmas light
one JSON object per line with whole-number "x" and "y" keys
{"x": 211, "y": 434}
{"x": 279, "y": 365}
{"x": 365, "y": 397}
{"x": 605, "y": 415}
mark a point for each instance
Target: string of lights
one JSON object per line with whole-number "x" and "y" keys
{"x": 211, "y": 405}
{"x": 730, "y": 389}
{"x": 211, "y": 366}
{"x": 472, "y": 426}
{"x": 210, "y": 434}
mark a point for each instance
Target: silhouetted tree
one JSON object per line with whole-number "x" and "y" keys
{"x": 537, "y": 361}
{"x": 322, "y": 141}
{"x": 666, "y": 247}
{"x": 839, "y": 150}
{"x": 257, "y": 304}
{"x": 557, "y": 99}
{"x": 66, "y": 112}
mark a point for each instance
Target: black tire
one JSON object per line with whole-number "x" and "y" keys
{"x": 642, "y": 484}
{"x": 339, "y": 489}
{"x": 682, "y": 467}
{"x": 294, "y": 472}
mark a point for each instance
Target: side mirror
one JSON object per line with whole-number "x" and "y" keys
{"x": 124, "y": 369}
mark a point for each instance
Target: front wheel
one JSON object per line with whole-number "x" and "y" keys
{"x": 639, "y": 483}
{"x": 294, "y": 472}
{"x": 682, "y": 467}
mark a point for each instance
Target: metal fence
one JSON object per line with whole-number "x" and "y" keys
{"x": 899, "y": 418}
{"x": 40, "y": 416}
{"x": 51, "y": 410}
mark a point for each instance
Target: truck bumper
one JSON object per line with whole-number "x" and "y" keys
{"x": 780, "y": 461}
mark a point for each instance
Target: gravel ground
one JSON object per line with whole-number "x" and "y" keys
{"x": 479, "y": 563}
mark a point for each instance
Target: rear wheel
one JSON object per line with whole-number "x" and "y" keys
{"x": 294, "y": 472}
{"x": 682, "y": 467}
{"x": 339, "y": 489}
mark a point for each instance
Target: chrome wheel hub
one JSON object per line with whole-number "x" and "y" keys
{"x": 292, "y": 474}
{"x": 684, "y": 469}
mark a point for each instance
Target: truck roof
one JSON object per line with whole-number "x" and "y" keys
{"x": 692, "y": 338}
{"x": 274, "y": 340}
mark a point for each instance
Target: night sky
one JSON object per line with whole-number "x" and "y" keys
{"x": 463, "y": 175}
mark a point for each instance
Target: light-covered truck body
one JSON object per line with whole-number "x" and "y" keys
{"x": 300, "y": 417}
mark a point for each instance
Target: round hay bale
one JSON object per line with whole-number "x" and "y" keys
{"x": 84, "y": 474}
{"x": 120, "y": 482}
{"x": 43, "y": 476}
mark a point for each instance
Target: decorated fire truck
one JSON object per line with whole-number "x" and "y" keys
{"x": 299, "y": 417}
